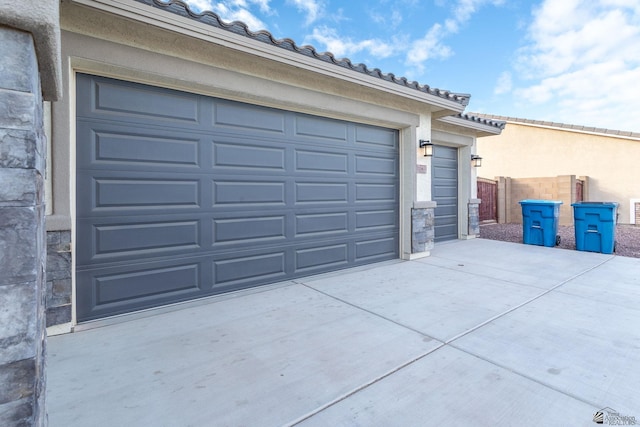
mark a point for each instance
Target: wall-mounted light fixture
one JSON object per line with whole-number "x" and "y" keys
{"x": 476, "y": 161}
{"x": 427, "y": 146}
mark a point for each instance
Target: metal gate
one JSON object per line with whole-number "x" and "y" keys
{"x": 488, "y": 193}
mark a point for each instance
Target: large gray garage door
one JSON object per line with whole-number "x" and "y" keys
{"x": 444, "y": 188}
{"x": 181, "y": 196}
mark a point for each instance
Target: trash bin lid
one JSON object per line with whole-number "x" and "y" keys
{"x": 602, "y": 204}
{"x": 540, "y": 202}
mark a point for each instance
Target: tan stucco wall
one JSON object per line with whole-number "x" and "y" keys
{"x": 526, "y": 151}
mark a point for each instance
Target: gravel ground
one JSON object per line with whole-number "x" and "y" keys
{"x": 627, "y": 237}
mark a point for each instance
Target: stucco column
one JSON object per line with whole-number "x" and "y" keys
{"x": 422, "y": 210}
{"x": 29, "y": 48}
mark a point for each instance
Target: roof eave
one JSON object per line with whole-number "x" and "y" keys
{"x": 481, "y": 129}
{"x": 135, "y": 10}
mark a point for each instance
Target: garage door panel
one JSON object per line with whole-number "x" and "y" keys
{"x": 318, "y": 224}
{"x": 445, "y": 192}
{"x": 113, "y": 148}
{"x": 166, "y": 235}
{"x": 109, "y": 146}
{"x": 321, "y": 192}
{"x": 445, "y": 210}
{"x": 269, "y": 266}
{"x": 380, "y": 248}
{"x": 370, "y": 192}
{"x": 321, "y": 161}
{"x": 120, "y": 289}
{"x": 248, "y": 155}
{"x": 115, "y": 193}
{"x": 223, "y": 197}
{"x": 445, "y": 173}
{"x": 249, "y": 117}
{"x": 321, "y": 128}
{"x": 103, "y": 193}
{"x": 259, "y": 229}
{"x": 376, "y": 138}
{"x": 312, "y": 259}
{"x": 123, "y": 101}
{"x": 446, "y": 229}
{"x": 256, "y": 192}
{"x": 136, "y": 238}
{"x": 447, "y": 155}
{"x": 370, "y": 165}
{"x": 376, "y": 219}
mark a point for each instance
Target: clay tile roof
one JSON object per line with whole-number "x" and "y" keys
{"x": 484, "y": 120}
{"x": 209, "y": 18}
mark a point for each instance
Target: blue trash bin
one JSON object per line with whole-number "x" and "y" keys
{"x": 540, "y": 222}
{"x": 595, "y": 226}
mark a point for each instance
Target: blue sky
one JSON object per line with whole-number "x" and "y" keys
{"x": 569, "y": 61}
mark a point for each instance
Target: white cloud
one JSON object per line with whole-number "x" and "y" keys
{"x": 504, "y": 83}
{"x": 341, "y": 46}
{"x": 432, "y": 45}
{"x": 583, "y": 59}
{"x": 243, "y": 15}
{"x": 263, "y": 5}
{"x": 386, "y": 19}
{"x": 312, "y": 8}
{"x": 396, "y": 18}
{"x": 234, "y": 10}
{"x": 463, "y": 10}
{"x": 200, "y": 5}
{"x": 428, "y": 47}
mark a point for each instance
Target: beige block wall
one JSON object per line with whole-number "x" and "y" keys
{"x": 512, "y": 190}
{"x": 531, "y": 188}
{"x": 610, "y": 162}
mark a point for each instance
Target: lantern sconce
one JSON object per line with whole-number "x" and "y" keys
{"x": 476, "y": 161}
{"x": 427, "y": 146}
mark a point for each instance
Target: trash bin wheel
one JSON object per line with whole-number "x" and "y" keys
{"x": 558, "y": 240}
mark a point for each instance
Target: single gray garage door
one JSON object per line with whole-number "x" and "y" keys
{"x": 181, "y": 196}
{"x": 444, "y": 187}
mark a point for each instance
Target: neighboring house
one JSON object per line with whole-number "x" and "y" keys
{"x": 191, "y": 157}
{"x": 537, "y": 149}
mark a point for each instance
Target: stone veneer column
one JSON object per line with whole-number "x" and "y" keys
{"x": 30, "y": 70}
{"x": 22, "y": 233}
{"x": 474, "y": 218}
{"x": 422, "y": 227}
{"x": 58, "y": 302}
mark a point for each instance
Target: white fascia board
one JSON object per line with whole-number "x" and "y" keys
{"x": 484, "y": 130}
{"x": 140, "y": 12}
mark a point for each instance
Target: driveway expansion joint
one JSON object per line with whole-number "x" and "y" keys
{"x": 373, "y": 313}
{"x": 449, "y": 342}
{"x": 362, "y": 387}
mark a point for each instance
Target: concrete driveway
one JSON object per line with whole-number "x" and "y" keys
{"x": 481, "y": 333}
